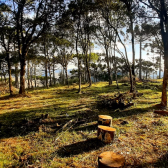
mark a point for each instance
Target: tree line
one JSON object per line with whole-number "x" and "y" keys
{"x": 56, "y": 32}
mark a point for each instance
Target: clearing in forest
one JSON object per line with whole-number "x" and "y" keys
{"x": 57, "y": 127}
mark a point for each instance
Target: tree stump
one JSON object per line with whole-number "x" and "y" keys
{"x": 105, "y": 120}
{"x": 105, "y": 134}
{"x": 110, "y": 159}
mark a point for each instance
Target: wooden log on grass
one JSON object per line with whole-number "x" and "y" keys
{"x": 110, "y": 159}
{"x": 105, "y": 120}
{"x": 105, "y": 134}
{"x": 161, "y": 112}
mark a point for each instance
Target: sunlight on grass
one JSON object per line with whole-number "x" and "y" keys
{"x": 28, "y": 140}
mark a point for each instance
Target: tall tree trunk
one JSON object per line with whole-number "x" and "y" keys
{"x": 63, "y": 75}
{"x": 108, "y": 67}
{"x": 66, "y": 73}
{"x": 9, "y": 72}
{"x": 46, "y": 75}
{"x": 16, "y": 76}
{"x": 88, "y": 71}
{"x": 4, "y": 77}
{"x": 165, "y": 78}
{"x": 28, "y": 73}
{"x": 160, "y": 65}
{"x": 22, "y": 75}
{"x": 31, "y": 76}
{"x": 133, "y": 50}
{"x": 140, "y": 61}
{"x": 53, "y": 74}
{"x": 35, "y": 81}
{"x": 49, "y": 69}
{"x": 79, "y": 72}
{"x": 114, "y": 61}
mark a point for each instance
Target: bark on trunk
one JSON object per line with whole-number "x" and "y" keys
{"x": 108, "y": 67}
{"x": 9, "y": 72}
{"x": 46, "y": 63}
{"x": 88, "y": 72}
{"x": 22, "y": 76}
{"x": 31, "y": 76}
{"x": 140, "y": 61}
{"x": 66, "y": 73}
{"x": 133, "y": 50}
{"x": 35, "y": 81}
{"x": 28, "y": 73}
{"x": 160, "y": 65}
{"x": 105, "y": 134}
{"x": 16, "y": 76}
{"x": 53, "y": 74}
{"x": 131, "y": 81}
{"x": 105, "y": 120}
{"x": 164, "y": 87}
{"x": 49, "y": 69}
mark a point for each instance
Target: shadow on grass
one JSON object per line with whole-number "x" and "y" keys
{"x": 13, "y": 123}
{"x": 162, "y": 162}
{"x": 80, "y": 147}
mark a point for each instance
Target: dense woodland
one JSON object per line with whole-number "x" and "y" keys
{"x": 38, "y": 37}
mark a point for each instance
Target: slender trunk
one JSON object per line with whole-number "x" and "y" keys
{"x": 140, "y": 61}
{"x": 115, "y": 64}
{"x": 131, "y": 81}
{"x": 66, "y": 73}
{"x": 35, "y": 81}
{"x": 94, "y": 74}
{"x": 9, "y": 72}
{"x": 165, "y": 78}
{"x": 79, "y": 72}
{"x": 88, "y": 72}
{"x": 133, "y": 50}
{"x": 46, "y": 64}
{"x": 108, "y": 67}
{"x": 28, "y": 73}
{"x": 22, "y": 76}
{"x": 87, "y": 66}
{"x": 16, "y": 76}
{"x": 46, "y": 75}
{"x": 49, "y": 69}
{"x": 63, "y": 75}
{"x": 160, "y": 65}
{"x": 53, "y": 74}
{"x": 4, "y": 77}
{"x": 31, "y": 76}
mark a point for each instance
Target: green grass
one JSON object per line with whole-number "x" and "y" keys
{"x": 143, "y": 141}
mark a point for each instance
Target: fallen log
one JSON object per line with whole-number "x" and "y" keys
{"x": 110, "y": 159}
{"x": 105, "y": 120}
{"x": 105, "y": 134}
{"x": 161, "y": 112}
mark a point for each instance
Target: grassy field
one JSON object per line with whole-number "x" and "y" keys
{"x": 29, "y": 140}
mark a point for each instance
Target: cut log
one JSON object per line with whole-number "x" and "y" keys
{"x": 105, "y": 134}
{"x": 110, "y": 159}
{"x": 105, "y": 120}
{"x": 162, "y": 112}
